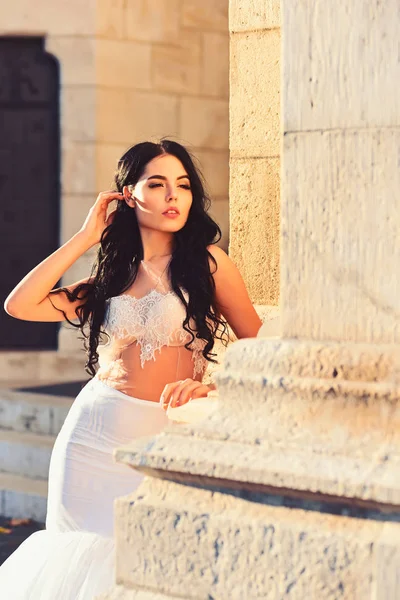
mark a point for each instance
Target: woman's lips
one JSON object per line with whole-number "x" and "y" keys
{"x": 173, "y": 214}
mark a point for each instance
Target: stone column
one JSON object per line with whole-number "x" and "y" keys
{"x": 255, "y": 148}
{"x": 291, "y": 488}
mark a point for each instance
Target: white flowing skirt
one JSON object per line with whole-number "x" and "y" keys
{"x": 73, "y": 558}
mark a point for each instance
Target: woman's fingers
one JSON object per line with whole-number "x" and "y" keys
{"x": 167, "y": 392}
{"x": 179, "y": 393}
{"x": 200, "y": 392}
{"x": 96, "y": 220}
{"x": 183, "y": 393}
{"x": 172, "y": 391}
{"x": 104, "y": 198}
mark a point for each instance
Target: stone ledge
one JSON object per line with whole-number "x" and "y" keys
{"x": 122, "y": 593}
{"x": 171, "y": 538}
{"x": 41, "y": 366}
{"x": 292, "y": 415}
{"x": 204, "y": 462}
{"x": 308, "y": 358}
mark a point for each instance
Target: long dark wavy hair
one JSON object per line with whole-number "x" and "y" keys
{"x": 121, "y": 251}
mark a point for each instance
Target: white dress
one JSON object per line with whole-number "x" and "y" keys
{"x": 73, "y": 558}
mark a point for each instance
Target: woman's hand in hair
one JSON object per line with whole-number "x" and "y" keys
{"x": 97, "y": 219}
{"x": 180, "y": 392}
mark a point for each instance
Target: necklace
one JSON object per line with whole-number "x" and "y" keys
{"x": 159, "y": 256}
{"x": 150, "y": 271}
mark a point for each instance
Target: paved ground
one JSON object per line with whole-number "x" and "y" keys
{"x": 13, "y": 532}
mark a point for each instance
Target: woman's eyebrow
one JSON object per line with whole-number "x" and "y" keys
{"x": 165, "y": 179}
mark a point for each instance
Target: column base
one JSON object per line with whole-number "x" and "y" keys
{"x": 291, "y": 487}
{"x": 322, "y": 418}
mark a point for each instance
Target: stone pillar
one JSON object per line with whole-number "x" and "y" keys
{"x": 291, "y": 488}
{"x": 341, "y": 178}
{"x": 255, "y": 140}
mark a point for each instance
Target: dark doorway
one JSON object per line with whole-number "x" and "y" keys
{"x": 29, "y": 177}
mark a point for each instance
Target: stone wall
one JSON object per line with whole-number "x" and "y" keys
{"x": 255, "y": 145}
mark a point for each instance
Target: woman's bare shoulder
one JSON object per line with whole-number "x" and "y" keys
{"x": 219, "y": 255}
{"x": 232, "y": 296}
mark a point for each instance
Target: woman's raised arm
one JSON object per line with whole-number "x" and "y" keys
{"x": 29, "y": 300}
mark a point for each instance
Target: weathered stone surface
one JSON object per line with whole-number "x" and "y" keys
{"x": 122, "y": 593}
{"x": 110, "y": 19}
{"x": 124, "y": 64}
{"x": 254, "y": 225}
{"x": 78, "y": 173}
{"x": 340, "y": 243}
{"x": 176, "y": 66}
{"x": 78, "y": 113}
{"x": 205, "y": 15}
{"x": 255, "y": 148}
{"x": 32, "y": 412}
{"x": 341, "y": 65}
{"x": 59, "y": 18}
{"x": 17, "y": 368}
{"x": 23, "y": 497}
{"x": 25, "y": 454}
{"x": 107, "y": 157}
{"x": 77, "y": 57}
{"x": 216, "y": 545}
{"x": 255, "y": 94}
{"x": 254, "y": 14}
{"x": 323, "y": 418}
{"x": 214, "y": 165}
{"x": 152, "y": 20}
{"x": 127, "y": 117}
{"x": 204, "y": 122}
{"x": 388, "y": 563}
{"x": 215, "y": 71}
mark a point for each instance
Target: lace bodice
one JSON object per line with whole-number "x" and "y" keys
{"x": 152, "y": 321}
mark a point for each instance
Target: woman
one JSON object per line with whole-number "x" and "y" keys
{"x": 158, "y": 296}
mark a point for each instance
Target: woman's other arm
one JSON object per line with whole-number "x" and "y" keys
{"x": 232, "y": 297}
{"x": 235, "y": 305}
{"x": 29, "y": 300}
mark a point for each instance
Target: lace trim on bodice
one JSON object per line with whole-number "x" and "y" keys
{"x": 153, "y": 321}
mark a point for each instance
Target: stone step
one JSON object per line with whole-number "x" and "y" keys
{"x": 23, "y": 497}
{"x": 25, "y": 366}
{"x": 26, "y": 454}
{"x": 32, "y": 412}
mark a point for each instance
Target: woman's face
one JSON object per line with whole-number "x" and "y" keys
{"x": 163, "y": 195}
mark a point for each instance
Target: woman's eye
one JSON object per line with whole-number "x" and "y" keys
{"x": 153, "y": 185}
{"x": 185, "y": 186}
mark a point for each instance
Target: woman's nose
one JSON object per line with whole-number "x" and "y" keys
{"x": 171, "y": 194}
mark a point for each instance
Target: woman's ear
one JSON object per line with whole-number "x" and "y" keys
{"x": 128, "y": 196}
